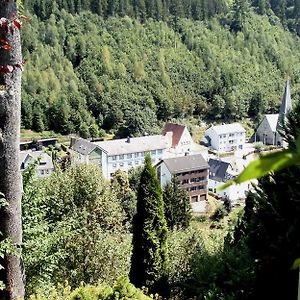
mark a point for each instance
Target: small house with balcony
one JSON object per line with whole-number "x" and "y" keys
{"x": 191, "y": 171}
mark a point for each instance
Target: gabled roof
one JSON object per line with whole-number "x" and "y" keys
{"x": 177, "y": 131}
{"x": 83, "y": 147}
{"x": 218, "y": 170}
{"x": 186, "y": 163}
{"x": 45, "y": 159}
{"x": 133, "y": 145}
{"x": 272, "y": 119}
{"x": 228, "y": 128}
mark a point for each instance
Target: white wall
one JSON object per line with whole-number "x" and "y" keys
{"x": 264, "y": 133}
{"x": 165, "y": 175}
{"x": 185, "y": 143}
{"x": 234, "y": 192}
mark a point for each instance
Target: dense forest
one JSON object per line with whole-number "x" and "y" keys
{"x": 90, "y": 64}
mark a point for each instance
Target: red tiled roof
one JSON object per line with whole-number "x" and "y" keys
{"x": 177, "y": 132}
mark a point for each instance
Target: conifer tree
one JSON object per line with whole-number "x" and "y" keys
{"x": 149, "y": 263}
{"x": 177, "y": 205}
{"x": 271, "y": 226}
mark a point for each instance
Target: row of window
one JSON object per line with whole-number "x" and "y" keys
{"x": 129, "y": 163}
{"x": 195, "y": 188}
{"x": 136, "y": 154}
{"x": 223, "y": 136}
{"x": 191, "y": 172}
{"x": 192, "y": 180}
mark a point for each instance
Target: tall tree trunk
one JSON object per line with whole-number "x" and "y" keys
{"x": 10, "y": 177}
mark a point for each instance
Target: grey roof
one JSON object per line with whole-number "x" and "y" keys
{"x": 272, "y": 120}
{"x": 45, "y": 159}
{"x": 136, "y": 144}
{"x": 186, "y": 163}
{"x": 228, "y": 128}
{"x": 285, "y": 106}
{"x": 218, "y": 170}
{"x": 83, "y": 147}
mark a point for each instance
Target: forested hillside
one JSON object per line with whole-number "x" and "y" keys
{"x": 116, "y": 70}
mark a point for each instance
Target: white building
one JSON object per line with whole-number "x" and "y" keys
{"x": 227, "y": 137}
{"x": 269, "y": 130}
{"x": 44, "y": 167}
{"x": 219, "y": 173}
{"x": 124, "y": 154}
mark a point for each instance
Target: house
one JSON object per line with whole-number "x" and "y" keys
{"x": 181, "y": 138}
{"x": 227, "y": 137}
{"x": 119, "y": 154}
{"x": 268, "y": 131}
{"x": 219, "y": 173}
{"x": 86, "y": 152}
{"x": 191, "y": 171}
{"x": 45, "y": 165}
{"x": 124, "y": 154}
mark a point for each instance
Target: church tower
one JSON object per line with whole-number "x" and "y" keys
{"x": 286, "y": 106}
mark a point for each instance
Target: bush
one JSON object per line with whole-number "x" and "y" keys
{"x": 121, "y": 290}
{"x": 219, "y": 213}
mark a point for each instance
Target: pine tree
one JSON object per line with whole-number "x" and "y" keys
{"x": 149, "y": 263}
{"x": 240, "y": 9}
{"x": 177, "y": 205}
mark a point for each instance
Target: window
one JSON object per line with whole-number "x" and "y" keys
{"x": 47, "y": 171}
{"x": 136, "y": 154}
{"x": 159, "y": 151}
{"x": 231, "y": 134}
{"x": 114, "y": 157}
{"x": 130, "y": 163}
{"x": 42, "y": 172}
{"x": 143, "y": 154}
{"x": 185, "y": 181}
{"x": 200, "y": 187}
{"x": 121, "y": 164}
{"x": 121, "y": 156}
{"x": 136, "y": 162}
{"x": 153, "y": 152}
{"x": 114, "y": 165}
{"x": 129, "y": 155}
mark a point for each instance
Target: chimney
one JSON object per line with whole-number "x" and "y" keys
{"x": 128, "y": 139}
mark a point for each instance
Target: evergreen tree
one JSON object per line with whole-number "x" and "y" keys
{"x": 271, "y": 226}
{"x": 240, "y": 9}
{"x": 177, "y": 205}
{"x": 149, "y": 263}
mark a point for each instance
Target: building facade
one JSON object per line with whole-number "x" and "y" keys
{"x": 227, "y": 137}
{"x": 219, "y": 173}
{"x": 190, "y": 170}
{"x": 44, "y": 167}
{"x": 128, "y": 153}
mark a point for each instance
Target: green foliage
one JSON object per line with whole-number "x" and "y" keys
{"x": 219, "y": 213}
{"x": 149, "y": 262}
{"x": 73, "y": 230}
{"x": 122, "y": 289}
{"x": 177, "y": 205}
{"x": 84, "y": 72}
{"x": 271, "y": 227}
{"x": 126, "y": 196}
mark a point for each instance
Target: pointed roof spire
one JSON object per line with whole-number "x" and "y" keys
{"x": 285, "y": 106}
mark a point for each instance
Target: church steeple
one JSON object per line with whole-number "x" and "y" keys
{"x": 286, "y": 105}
